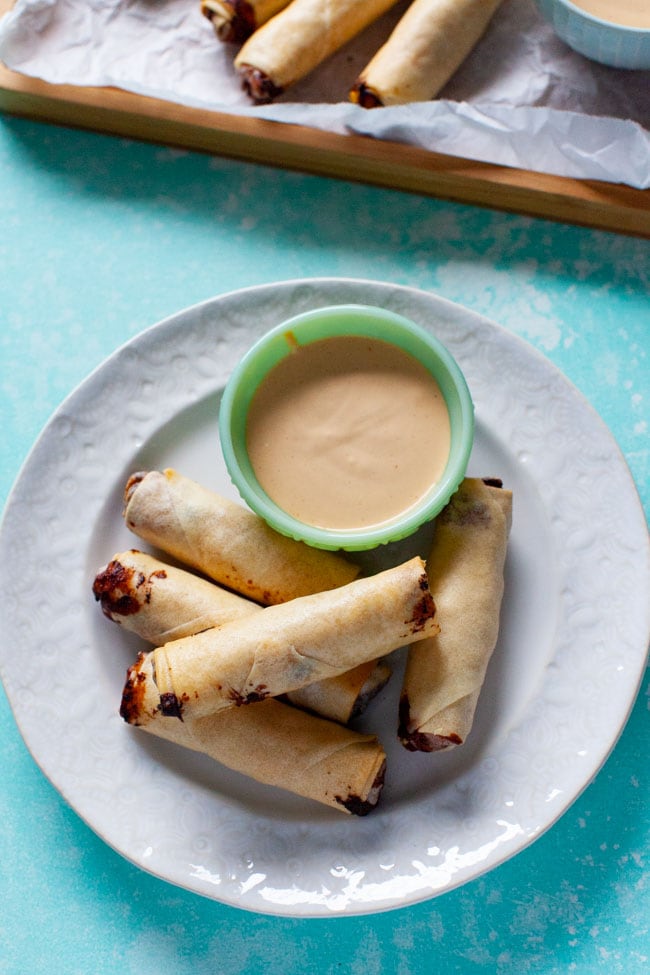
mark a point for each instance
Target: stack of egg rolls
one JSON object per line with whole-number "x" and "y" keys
{"x": 319, "y": 632}
{"x": 283, "y": 648}
{"x": 267, "y": 687}
{"x": 162, "y": 603}
{"x": 272, "y": 742}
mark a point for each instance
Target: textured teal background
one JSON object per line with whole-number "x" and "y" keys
{"x": 101, "y": 238}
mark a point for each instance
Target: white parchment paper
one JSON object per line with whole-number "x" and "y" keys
{"x": 522, "y": 98}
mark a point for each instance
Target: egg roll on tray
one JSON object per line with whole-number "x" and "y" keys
{"x": 282, "y": 648}
{"x": 427, "y": 46}
{"x": 161, "y": 603}
{"x": 226, "y": 541}
{"x": 282, "y": 746}
{"x": 444, "y": 674}
{"x": 235, "y": 20}
{"x": 298, "y": 39}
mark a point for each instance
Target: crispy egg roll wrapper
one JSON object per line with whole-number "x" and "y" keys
{"x": 299, "y": 38}
{"x": 226, "y": 541}
{"x": 235, "y": 20}
{"x": 284, "y": 747}
{"x": 161, "y": 603}
{"x": 444, "y": 674}
{"x": 285, "y": 647}
{"x": 425, "y": 49}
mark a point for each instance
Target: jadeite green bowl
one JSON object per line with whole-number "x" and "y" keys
{"x": 321, "y": 323}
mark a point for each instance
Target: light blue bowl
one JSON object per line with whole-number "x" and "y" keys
{"x": 323, "y": 323}
{"x": 599, "y": 40}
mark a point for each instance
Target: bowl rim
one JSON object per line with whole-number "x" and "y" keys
{"x": 594, "y": 18}
{"x": 352, "y": 539}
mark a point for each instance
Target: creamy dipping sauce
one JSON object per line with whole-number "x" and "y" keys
{"x": 627, "y": 13}
{"x": 348, "y": 432}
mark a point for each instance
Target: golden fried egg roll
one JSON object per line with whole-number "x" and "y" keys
{"x": 425, "y": 49}
{"x": 235, "y": 20}
{"x": 283, "y": 648}
{"x": 226, "y": 541}
{"x": 161, "y": 603}
{"x": 299, "y": 38}
{"x": 444, "y": 674}
{"x": 281, "y": 746}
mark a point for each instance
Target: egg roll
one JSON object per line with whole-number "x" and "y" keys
{"x": 444, "y": 674}
{"x": 235, "y": 20}
{"x": 281, "y": 746}
{"x": 227, "y": 542}
{"x": 161, "y": 603}
{"x": 283, "y": 648}
{"x": 427, "y": 46}
{"x": 299, "y": 38}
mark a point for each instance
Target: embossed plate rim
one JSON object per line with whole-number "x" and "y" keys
{"x": 339, "y": 865}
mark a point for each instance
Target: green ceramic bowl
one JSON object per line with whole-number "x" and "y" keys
{"x": 322, "y": 323}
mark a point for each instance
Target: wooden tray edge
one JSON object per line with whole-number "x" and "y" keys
{"x": 599, "y": 205}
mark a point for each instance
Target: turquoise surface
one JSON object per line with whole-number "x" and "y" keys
{"x": 102, "y": 237}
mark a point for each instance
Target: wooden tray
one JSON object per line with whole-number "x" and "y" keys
{"x": 607, "y": 206}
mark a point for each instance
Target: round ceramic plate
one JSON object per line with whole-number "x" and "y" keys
{"x": 560, "y": 684}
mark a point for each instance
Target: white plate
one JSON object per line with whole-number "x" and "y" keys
{"x": 559, "y": 688}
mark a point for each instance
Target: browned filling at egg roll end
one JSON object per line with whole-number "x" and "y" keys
{"x": 113, "y": 589}
{"x": 358, "y": 806}
{"x": 134, "y": 695}
{"x": 419, "y": 741}
{"x": 257, "y": 85}
{"x": 142, "y": 700}
{"x": 126, "y": 585}
{"x": 134, "y": 479}
{"x": 364, "y": 96}
{"x": 233, "y": 20}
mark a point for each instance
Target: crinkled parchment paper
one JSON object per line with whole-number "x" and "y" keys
{"x": 522, "y": 98}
